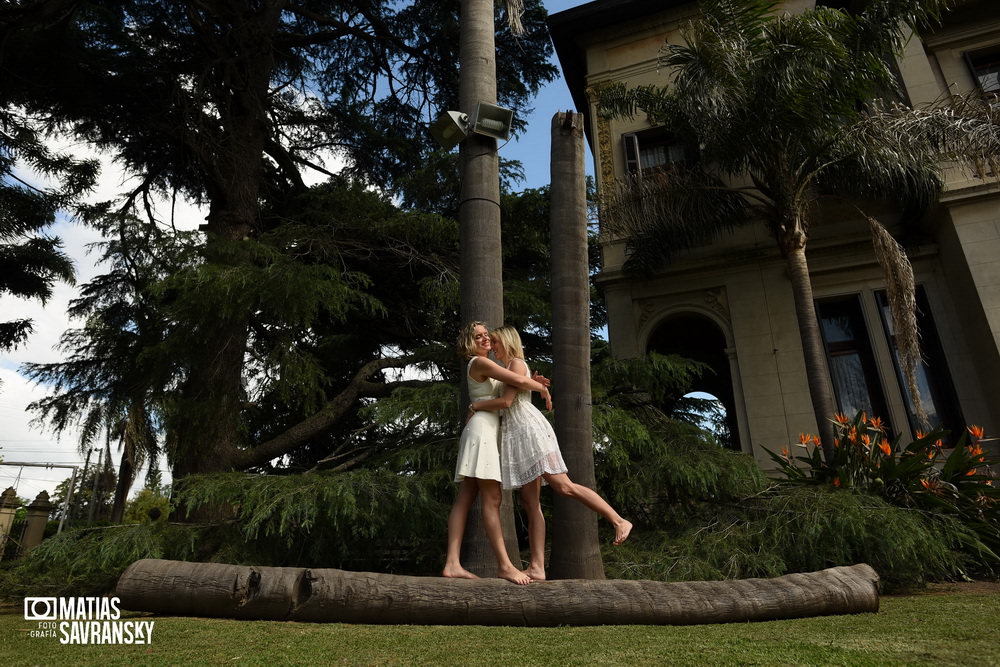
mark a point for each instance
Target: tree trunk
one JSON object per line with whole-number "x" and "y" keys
{"x": 576, "y": 553}
{"x": 480, "y": 270}
{"x": 813, "y": 352}
{"x": 328, "y": 595}
{"x": 126, "y": 475}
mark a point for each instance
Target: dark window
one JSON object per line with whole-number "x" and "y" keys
{"x": 937, "y": 392}
{"x": 849, "y": 354}
{"x": 654, "y": 149}
{"x": 985, "y": 67}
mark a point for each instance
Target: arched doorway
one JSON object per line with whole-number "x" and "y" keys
{"x": 697, "y": 337}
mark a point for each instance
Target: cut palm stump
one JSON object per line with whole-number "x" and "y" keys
{"x": 328, "y": 595}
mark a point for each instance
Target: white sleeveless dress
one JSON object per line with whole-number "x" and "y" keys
{"x": 528, "y": 443}
{"x": 479, "y": 445}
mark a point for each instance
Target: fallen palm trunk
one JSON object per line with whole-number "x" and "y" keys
{"x": 328, "y": 595}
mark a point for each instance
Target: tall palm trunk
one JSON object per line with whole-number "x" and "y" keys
{"x": 813, "y": 352}
{"x": 481, "y": 272}
{"x": 575, "y": 550}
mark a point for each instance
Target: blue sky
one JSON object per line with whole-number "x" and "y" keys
{"x": 22, "y": 442}
{"x": 532, "y": 148}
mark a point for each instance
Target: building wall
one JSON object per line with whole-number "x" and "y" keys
{"x": 741, "y": 283}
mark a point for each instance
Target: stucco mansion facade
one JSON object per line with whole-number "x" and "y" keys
{"x": 731, "y": 305}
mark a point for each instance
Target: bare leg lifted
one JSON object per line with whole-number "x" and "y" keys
{"x": 564, "y": 486}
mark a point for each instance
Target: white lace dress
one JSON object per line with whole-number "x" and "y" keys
{"x": 528, "y": 443}
{"x": 479, "y": 445}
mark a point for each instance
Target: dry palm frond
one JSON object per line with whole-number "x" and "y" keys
{"x": 901, "y": 292}
{"x": 515, "y": 9}
{"x": 961, "y": 128}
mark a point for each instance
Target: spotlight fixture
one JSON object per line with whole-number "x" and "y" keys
{"x": 488, "y": 119}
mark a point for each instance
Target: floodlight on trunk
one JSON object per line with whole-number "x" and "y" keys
{"x": 488, "y": 119}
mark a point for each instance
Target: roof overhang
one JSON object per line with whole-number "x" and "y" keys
{"x": 567, "y": 26}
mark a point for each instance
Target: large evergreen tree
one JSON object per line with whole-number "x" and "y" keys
{"x": 224, "y": 103}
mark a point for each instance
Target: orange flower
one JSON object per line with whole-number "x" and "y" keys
{"x": 803, "y": 439}
{"x": 841, "y": 418}
{"x": 976, "y": 431}
{"x": 939, "y": 443}
{"x": 836, "y": 481}
{"x": 786, "y": 453}
{"x": 876, "y": 423}
{"x": 970, "y": 473}
{"x": 885, "y": 447}
{"x": 816, "y": 440}
{"x": 929, "y": 484}
{"x": 864, "y": 416}
{"x": 853, "y": 434}
{"x": 921, "y": 435}
{"x": 866, "y": 440}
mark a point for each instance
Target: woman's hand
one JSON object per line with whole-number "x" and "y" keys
{"x": 547, "y": 395}
{"x": 541, "y": 379}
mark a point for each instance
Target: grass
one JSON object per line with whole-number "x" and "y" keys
{"x": 955, "y": 628}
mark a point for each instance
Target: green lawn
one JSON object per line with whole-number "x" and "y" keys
{"x": 957, "y": 628}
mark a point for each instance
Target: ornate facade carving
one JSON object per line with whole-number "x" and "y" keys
{"x": 713, "y": 298}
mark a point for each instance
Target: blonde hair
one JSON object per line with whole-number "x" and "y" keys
{"x": 511, "y": 341}
{"x": 467, "y": 339}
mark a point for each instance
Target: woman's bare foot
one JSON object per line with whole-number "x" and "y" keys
{"x": 536, "y": 573}
{"x": 457, "y": 572}
{"x": 511, "y": 573}
{"x": 622, "y": 529}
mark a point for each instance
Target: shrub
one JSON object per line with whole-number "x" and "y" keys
{"x": 790, "y": 528}
{"x": 920, "y": 475}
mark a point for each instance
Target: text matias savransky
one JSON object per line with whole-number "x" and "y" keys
{"x": 85, "y": 620}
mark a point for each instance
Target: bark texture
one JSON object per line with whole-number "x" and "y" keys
{"x": 576, "y": 553}
{"x": 328, "y": 595}
{"x": 813, "y": 351}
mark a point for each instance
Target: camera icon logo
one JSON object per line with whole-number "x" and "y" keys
{"x": 41, "y": 609}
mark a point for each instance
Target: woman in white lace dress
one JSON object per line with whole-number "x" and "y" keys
{"x": 530, "y": 453}
{"x": 478, "y": 467}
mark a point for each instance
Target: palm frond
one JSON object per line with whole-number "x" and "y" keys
{"x": 895, "y": 151}
{"x": 663, "y": 212}
{"x": 901, "y": 291}
{"x": 616, "y": 101}
{"x": 515, "y": 10}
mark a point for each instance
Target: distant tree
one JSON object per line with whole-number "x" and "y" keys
{"x": 35, "y": 183}
{"x": 92, "y": 496}
{"x": 149, "y": 504}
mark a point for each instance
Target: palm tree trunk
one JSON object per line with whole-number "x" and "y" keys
{"x": 480, "y": 270}
{"x": 813, "y": 351}
{"x": 126, "y": 475}
{"x": 179, "y": 588}
{"x": 575, "y": 550}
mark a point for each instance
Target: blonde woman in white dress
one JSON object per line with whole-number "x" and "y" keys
{"x": 530, "y": 453}
{"x": 478, "y": 466}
